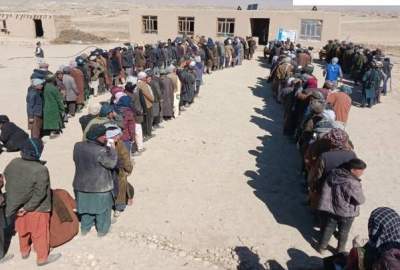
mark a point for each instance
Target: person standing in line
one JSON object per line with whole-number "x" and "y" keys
{"x": 177, "y": 88}
{"x": 34, "y": 102}
{"x": 29, "y": 198}
{"x": 71, "y": 91}
{"x": 340, "y": 201}
{"x": 137, "y": 104}
{"x": 147, "y": 93}
{"x": 95, "y": 160}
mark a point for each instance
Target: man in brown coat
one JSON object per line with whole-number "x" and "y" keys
{"x": 147, "y": 93}
{"x": 79, "y": 81}
{"x": 303, "y": 59}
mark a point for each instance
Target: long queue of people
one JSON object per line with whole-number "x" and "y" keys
{"x": 148, "y": 85}
{"x": 315, "y": 119}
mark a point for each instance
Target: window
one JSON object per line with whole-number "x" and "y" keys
{"x": 311, "y": 29}
{"x": 150, "y": 24}
{"x": 4, "y": 24}
{"x": 186, "y": 25}
{"x": 226, "y": 27}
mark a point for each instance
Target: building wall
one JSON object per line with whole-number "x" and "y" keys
{"x": 21, "y": 25}
{"x": 206, "y": 22}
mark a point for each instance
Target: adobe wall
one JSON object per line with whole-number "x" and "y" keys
{"x": 206, "y": 23}
{"x": 21, "y": 25}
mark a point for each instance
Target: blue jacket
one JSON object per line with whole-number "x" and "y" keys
{"x": 333, "y": 71}
{"x": 34, "y": 103}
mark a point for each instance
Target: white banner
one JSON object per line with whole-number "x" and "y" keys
{"x": 346, "y": 2}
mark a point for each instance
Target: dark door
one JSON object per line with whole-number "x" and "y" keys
{"x": 260, "y": 29}
{"x": 39, "y": 28}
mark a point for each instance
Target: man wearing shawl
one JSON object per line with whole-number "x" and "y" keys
{"x": 382, "y": 251}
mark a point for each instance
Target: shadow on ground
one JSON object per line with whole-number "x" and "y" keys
{"x": 249, "y": 260}
{"x": 277, "y": 181}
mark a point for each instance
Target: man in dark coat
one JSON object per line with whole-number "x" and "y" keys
{"x": 93, "y": 182}
{"x": 12, "y": 137}
{"x": 167, "y": 91}
{"x": 29, "y": 197}
{"x": 156, "y": 89}
{"x": 187, "y": 77}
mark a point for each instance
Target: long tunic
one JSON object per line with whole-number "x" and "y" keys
{"x": 125, "y": 168}
{"x": 80, "y": 84}
{"x": 53, "y": 108}
{"x": 188, "y": 80}
{"x": 167, "y": 91}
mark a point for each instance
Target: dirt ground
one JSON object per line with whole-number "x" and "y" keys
{"x": 219, "y": 186}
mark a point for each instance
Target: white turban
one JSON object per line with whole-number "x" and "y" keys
{"x": 111, "y": 133}
{"x": 142, "y": 75}
{"x": 36, "y": 82}
{"x": 132, "y": 79}
{"x": 94, "y": 108}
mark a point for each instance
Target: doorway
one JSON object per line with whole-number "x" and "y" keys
{"x": 38, "y": 28}
{"x": 260, "y": 29}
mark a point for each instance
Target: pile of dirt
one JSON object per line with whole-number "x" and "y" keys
{"x": 78, "y": 36}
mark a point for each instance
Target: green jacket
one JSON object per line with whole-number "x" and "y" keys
{"x": 53, "y": 108}
{"x": 27, "y": 186}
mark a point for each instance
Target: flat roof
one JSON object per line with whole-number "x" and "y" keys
{"x": 225, "y": 9}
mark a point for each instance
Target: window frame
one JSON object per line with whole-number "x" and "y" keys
{"x": 226, "y": 27}
{"x": 150, "y": 24}
{"x": 186, "y": 25}
{"x": 311, "y": 29}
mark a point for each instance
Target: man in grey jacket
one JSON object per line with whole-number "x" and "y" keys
{"x": 93, "y": 183}
{"x": 71, "y": 91}
{"x": 340, "y": 202}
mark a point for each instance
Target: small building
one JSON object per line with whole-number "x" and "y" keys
{"x": 311, "y": 28}
{"x": 27, "y": 25}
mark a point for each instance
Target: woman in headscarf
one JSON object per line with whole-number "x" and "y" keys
{"x": 382, "y": 251}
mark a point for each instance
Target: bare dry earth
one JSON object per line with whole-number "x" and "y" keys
{"x": 219, "y": 181}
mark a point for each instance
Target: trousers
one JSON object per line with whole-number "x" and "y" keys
{"x": 331, "y": 222}
{"x": 33, "y": 228}
{"x": 139, "y": 136}
{"x": 101, "y": 221}
{"x": 148, "y": 122}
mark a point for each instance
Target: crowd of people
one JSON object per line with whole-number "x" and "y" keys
{"x": 148, "y": 85}
{"x": 369, "y": 68}
{"x": 315, "y": 118}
